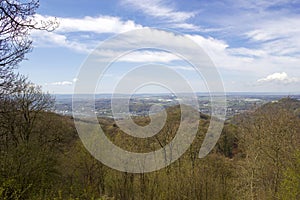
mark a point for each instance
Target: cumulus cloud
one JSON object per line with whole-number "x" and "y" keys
{"x": 281, "y": 78}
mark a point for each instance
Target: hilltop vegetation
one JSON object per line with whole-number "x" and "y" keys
{"x": 257, "y": 157}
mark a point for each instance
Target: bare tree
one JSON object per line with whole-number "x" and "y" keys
{"x": 17, "y": 18}
{"x": 269, "y": 137}
{"x": 19, "y": 112}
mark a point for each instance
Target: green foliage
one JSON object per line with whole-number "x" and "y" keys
{"x": 228, "y": 141}
{"x": 11, "y": 189}
{"x": 290, "y": 186}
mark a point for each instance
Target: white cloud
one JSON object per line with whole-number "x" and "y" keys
{"x": 255, "y": 61}
{"x": 184, "y": 68}
{"x": 278, "y": 37}
{"x": 280, "y": 29}
{"x": 50, "y": 39}
{"x": 217, "y": 49}
{"x": 281, "y": 78}
{"x": 225, "y": 57}
{"x": 157, "y": 8}
{"x": 188, "y": 27}
{"x": 149, "y": 56}
{"x": 259, "y": 35}
{"x": 61, "y": 83}
{"x": 276, "y": 44}
{"x": 100, "y": 24}
{"x": 209, "y": 44}
{"x": 261, "y": 4}
{"x": 246, "y": 52}
{"x": 165, "y": 12}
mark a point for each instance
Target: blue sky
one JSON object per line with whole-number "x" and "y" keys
{"x": 255, "y": 45}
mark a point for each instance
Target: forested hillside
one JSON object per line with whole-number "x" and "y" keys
{"x": 257, "y": 157}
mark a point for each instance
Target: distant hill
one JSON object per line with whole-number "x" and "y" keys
{"x": 288, "y": 104}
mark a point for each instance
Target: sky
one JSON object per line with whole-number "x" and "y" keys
{"x": 254, "y": 44}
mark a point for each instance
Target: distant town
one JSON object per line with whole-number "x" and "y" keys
{"x": 140, "y": 104}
